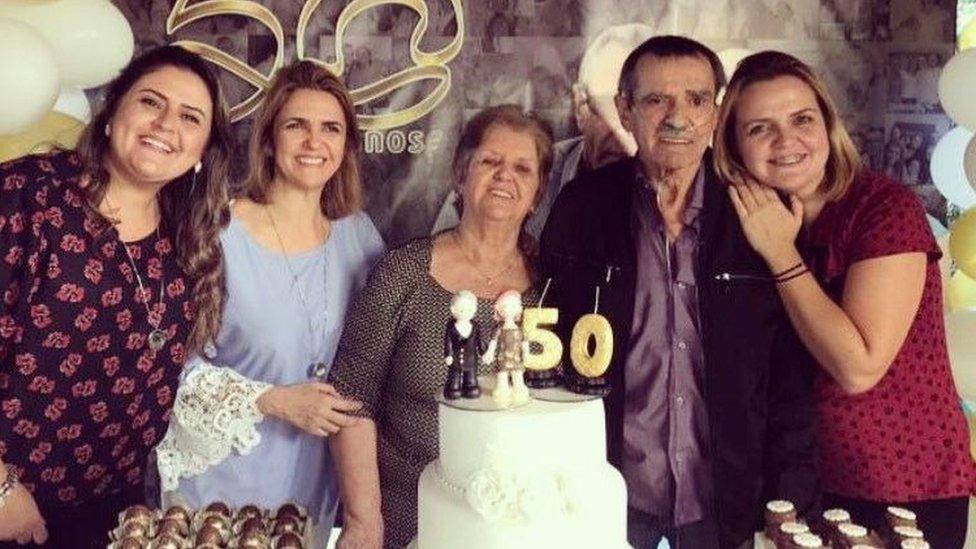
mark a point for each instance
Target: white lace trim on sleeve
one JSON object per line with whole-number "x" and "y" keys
{"x": 215, "y": 413}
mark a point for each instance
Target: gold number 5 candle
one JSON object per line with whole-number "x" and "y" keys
{"x": 552, "y": 348}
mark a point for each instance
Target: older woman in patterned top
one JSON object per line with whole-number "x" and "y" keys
{"x": 111, "y": 273}
{"x": 856, "y": 266}
{"x": 390, "y": 356}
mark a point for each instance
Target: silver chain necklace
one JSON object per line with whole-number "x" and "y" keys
{"x": 316, "y": 368}
{"x": 157, "y": 337}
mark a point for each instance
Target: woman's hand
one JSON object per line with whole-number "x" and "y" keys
{"x": 769, "y": 226}
{"x": 20, "y": 519}
{"x": 315, "y": 407}
{"x": 358, "y": 534}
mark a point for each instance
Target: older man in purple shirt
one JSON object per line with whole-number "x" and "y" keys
{"x": 710, "y": 412}
{"x": 665, "y": 421}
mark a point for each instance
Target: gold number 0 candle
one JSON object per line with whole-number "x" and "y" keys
{"x": 593, "y": 364}
{"x": 552, "y": 348}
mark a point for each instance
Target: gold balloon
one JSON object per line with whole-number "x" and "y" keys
{"x": 54, "y": 130}
{"x": 967, "y": 38}
{"x": 972, "y": 434}
{"x": 962, "y": 242}
{"x": 597, "y": 327}
{"x": 945, "y": 267}
{"x": 961, "y": 292}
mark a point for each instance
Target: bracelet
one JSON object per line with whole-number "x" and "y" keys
{"x": 792, "y": 276}
{"x": 777, "y": 276}
{"x": 8, "y": 486}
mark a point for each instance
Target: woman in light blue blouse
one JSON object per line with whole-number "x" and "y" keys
{"x": 250, "y": 416}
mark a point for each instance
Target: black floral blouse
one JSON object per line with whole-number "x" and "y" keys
{"x": 83, "y": 398}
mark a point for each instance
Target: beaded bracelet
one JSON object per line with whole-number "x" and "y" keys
{"x": 8, "y": 486}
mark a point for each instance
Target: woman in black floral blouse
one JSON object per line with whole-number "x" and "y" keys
{"x": 110, "y": 274}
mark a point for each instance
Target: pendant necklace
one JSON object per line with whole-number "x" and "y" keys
{"x": 316, "y": 368}
{"x": 488, "y": 278}
{"x": 157, "y": 337}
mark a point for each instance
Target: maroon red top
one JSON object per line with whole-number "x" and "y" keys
{"x": 82, "y": 396}
{"x": 906, "y": 439}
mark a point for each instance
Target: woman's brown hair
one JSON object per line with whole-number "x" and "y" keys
{"x": 843, "y": 161}
{"x": 193, "y": 205}
{"x": 473, "y": 134}
{"x": 343, "y": 195}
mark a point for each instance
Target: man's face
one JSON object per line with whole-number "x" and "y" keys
{"x": 672, "y": 111}
{"x": 604, "y": 138}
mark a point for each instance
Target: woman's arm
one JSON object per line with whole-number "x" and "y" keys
{"x": 856, "y": 340}
{"x": 354, "y": 454}
{"x": 217, "y": 410}
{"x": 20, "y": 519}
{"x": 361, "y": 371}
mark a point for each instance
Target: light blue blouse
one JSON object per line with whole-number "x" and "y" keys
{"x": 266, "y": 336}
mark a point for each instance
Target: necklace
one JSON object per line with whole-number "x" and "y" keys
{"x": 488, "y": 278}
{"x": 316, "y": 368}
{"x": 157, "y": 337}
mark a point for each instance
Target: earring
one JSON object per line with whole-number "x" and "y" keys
{"x": 108, "y": 130}
{"x": 197, "y": 167}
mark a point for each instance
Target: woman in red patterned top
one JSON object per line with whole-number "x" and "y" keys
{"x": 862, "y": 287}
{"x": 110, "y": 274}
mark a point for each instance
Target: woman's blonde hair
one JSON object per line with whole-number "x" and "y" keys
{"x": 843, "y": 160}
{"x": 343, "y": 195}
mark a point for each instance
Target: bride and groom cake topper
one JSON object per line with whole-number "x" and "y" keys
{"x": 510, "y": 351}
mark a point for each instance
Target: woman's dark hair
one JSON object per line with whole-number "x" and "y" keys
{"x": 193, "y": 206}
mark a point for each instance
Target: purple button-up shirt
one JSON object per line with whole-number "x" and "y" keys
{"x": 665, "y": 460}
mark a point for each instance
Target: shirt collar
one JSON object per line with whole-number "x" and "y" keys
{"x": 646, "y": 189}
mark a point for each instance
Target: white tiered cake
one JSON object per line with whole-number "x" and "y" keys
{"x": 531, "y": 477}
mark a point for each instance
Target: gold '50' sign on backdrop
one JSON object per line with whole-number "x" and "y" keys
{"x": 426, "y": 65}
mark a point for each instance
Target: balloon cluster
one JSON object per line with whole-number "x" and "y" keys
{"x": 50, "y": 50}
{"x": 953, "y": 168}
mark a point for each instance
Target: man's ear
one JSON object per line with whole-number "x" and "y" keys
{"x": 623, "y": 109}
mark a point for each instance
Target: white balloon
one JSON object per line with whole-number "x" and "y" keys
{"x": 956, "y": 85}
{"x": 74, "y": 103}
{"x": 28, "y": 76}
{"x": 730, "y": 57}
{"x": 960, "y": 327}
{"x": 969, "y": 162}
{"x": 938, "y": 229}
{"x": 91, "y": 38}
{"x": 947, "y": 168}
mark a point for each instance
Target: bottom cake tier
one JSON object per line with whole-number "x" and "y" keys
{"x": 523, "y": 509}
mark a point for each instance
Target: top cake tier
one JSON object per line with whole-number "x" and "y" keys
{"x": 545, "y": 435}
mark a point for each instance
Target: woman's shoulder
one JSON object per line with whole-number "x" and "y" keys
{"x": 409, "y": 261}
{"x": 874, "y": 192}
{"x": 358, "y": 227}
{"x": 41, "y": 183}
